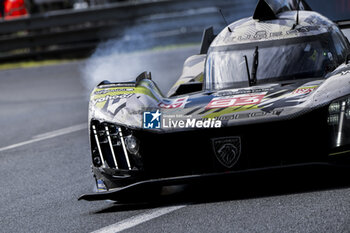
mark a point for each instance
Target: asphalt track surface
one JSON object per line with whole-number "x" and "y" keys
{"x": 41, "y": 180}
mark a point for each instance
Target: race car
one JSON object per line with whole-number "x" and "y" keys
{"x": 269, "y": 91}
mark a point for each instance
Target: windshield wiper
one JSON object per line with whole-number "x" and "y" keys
{"x": 252, "y": 78}
{"x": 255, "y": 66}
{"x": 247, "y": 66}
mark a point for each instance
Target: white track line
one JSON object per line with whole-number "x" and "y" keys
{"x": 48, "y": 135}
{"x": 138, "y": 219}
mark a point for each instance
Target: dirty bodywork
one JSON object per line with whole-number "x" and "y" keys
{"x": 270, "y": 91}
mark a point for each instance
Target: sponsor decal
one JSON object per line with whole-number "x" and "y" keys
{"x": 274, "y": 35}
{"x": 105, "y": 91}
{"x": 234, "y": 101}
{"x": 250, "y": 115}
{"x": 112, "y": 97}
{"x": 242, "y": 91}
{"x": 101, "y": 187}
{"x": 304, "y": 90}
{"x": 345, "y": 72}
{"x": 152, "y": 120}
{"x": 227, "y": 150}
{"x": 172, "y": 104}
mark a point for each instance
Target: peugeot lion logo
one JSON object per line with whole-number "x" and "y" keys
{"x": 227, "y": 150}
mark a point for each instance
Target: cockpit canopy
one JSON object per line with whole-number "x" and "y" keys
{"x": 310, "y": 55}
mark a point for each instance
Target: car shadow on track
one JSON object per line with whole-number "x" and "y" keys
{"x": 238, "y": 187}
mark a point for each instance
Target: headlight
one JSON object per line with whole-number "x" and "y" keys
{"x": 333, "y": 119}
{"x": 334, "y": 108}
{"x": 339, "y": 121}
{"x": 114, "y": 146}
{"x": 132, "y": 144}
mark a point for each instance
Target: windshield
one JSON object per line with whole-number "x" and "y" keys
{"x": 287, "y": 59}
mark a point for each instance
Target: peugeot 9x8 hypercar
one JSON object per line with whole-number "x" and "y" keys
{"x": 272, "y": 90}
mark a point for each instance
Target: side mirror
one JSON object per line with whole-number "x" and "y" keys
{"x": 189, "y": 88}
{"x": 143, "y": 75}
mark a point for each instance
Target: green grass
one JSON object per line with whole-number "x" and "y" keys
{"x": 165, "y": 47}
{"x": 28, "y": 64}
